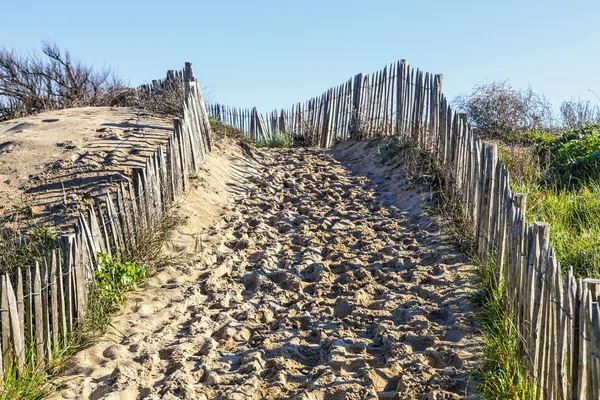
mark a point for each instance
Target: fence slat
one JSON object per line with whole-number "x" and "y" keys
{"x": 5, "y": 325}
{"x": 17, "y": 333}
{"x": 39, "y": 314}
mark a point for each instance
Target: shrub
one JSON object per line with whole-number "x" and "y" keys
{"x": 114, "y": 278}
{"x": 497, "y": 110}
{"x": 53, "y": 80}
{"x": 577, "y": 113}
{"x": 575, "y": 156}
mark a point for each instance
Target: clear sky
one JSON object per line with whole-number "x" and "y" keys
{"x": 276, "y": 53}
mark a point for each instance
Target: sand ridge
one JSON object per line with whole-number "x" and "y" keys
{"x": 319, "y": 277}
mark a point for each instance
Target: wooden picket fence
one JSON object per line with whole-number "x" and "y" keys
{"x": 43, "y": 304}
{"x": 556, "y": 315}
{"x": 388, "y": 101}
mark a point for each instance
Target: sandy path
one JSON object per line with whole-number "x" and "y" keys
{"x": 323, "y": 281}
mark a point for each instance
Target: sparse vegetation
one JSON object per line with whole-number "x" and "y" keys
{"x": 165, "y": 98}
{"x": 118, "y": 275}
{"x": 502, "y": 373}
{"x": 277, "y": 139}
{"x": 220, "y": 129}
{"x": 19, "y": 249}
{"x": 577, "y": 113}
{"x": 498, "y": 111}
{"x": 53, "y": 79}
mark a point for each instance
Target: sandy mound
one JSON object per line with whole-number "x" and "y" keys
{"x": 53, "y": 164}
{"x": 322, "y": 279}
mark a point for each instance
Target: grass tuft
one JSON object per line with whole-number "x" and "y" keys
{"x": 276, "y": 140}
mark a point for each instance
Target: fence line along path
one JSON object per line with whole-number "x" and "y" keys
{"x": 41, "y": 305}
{"x": 556, "y": 314}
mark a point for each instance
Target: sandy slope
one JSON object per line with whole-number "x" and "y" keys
{"x": 52, "y": 165}
{"x": 321, "y": 279}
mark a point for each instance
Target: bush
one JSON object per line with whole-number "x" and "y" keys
{"x": 114, "y": 278}
{"x": 577, "y": 113}
{"x": 54, "y": 80}
{"x": 573, "y": 157}
{"x": 497, "y": 110}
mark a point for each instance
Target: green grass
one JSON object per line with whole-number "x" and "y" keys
{"x": 503, "y": 374}
{"x": 574, "y": 217}
{"x": 561, "y": 176}
{"x": 107, "y": 295}
{"x": 276, "y": 140}
{"x": 30, "y": 383}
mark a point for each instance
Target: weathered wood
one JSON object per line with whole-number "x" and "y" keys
{"x": 54, "y": 312}
{"x": 595, "y": 328}
{"x": 61, "y": 299}
{"x": 68, "y": 273}
{"x": 16, "y": 331}
{"x": 5, "y": 325}
{"x": 39, "y": 314}
{"x": 21, "y": 304}
{"x": 562, "y": 321}
{"x": 28, "y": 299}
{"x": 581, "y": 340}
{"x": 46, "y": 309}
{"x": 79, "y": 281}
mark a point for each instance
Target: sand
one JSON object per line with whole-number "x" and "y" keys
{"x": 52, "y": 165}
{"x": 306, "y": 274}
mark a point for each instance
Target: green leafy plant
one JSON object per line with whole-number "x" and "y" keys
{"x": 576, "y": 156}
{"x": 115, "y": 278}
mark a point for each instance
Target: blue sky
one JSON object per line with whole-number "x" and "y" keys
{"x": 276, "y": 53}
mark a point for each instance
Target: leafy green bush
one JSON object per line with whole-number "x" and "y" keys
{"x": 115, "y": 278}
{"x": 576, "y": 156}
